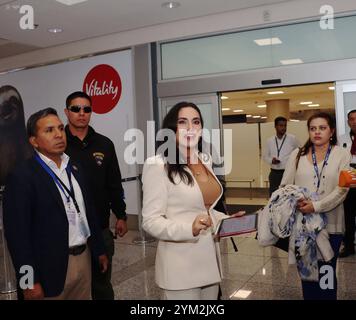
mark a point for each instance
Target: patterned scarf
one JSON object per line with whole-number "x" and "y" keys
{"x": 286, "y": 221}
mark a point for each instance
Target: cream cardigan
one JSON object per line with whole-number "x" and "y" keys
{"x": 331, "y": 195}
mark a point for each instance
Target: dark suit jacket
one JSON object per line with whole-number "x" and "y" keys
{"x": 36, "y": 225}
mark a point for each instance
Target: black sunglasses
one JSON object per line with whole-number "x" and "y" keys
{"x": 76, "y": 109}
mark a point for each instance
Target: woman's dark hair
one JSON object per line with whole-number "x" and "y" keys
{"x": 170, "y": 121}
{"x": 333, "y": 141}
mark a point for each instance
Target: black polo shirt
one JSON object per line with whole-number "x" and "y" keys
{"x": 97, "y": 157}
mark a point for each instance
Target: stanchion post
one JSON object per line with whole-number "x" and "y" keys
{"x": 9, "y": 274}
{"x": 143, "y": 238}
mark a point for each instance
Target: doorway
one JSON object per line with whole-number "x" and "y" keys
{"x": 246, "y": 114}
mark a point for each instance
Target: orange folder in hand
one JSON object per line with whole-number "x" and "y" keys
{"x": 347, "y": 178}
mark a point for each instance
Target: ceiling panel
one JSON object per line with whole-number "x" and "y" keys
{"x": 3, "y": 2}
{"x": 100, "y": 17}
{"x": 11, "y": 49}
{"x": 3, "y": 41}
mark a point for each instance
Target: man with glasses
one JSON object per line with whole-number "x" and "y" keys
{"x": 96, "y": 154}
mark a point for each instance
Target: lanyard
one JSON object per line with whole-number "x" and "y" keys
{"x": 279, "y": 148}
{"x": 70, "y": 192}
{"x": 316, "y": 164}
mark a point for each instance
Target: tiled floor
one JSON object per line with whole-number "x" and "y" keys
{"x": 259, "y": 273}
{"x": 251, "y": 273}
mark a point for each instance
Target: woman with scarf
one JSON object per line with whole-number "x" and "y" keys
{"x": 316, "y": 166}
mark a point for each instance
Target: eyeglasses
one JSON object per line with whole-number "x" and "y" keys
{"x": 76, "y": 109}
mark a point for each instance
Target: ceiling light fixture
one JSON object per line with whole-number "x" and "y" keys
{"x": 291, "y": 61}
{"x": 275, "y": 92}
{"x": 170, "y": 5}
{"x": 267, "y": 41}
{"x": 248, "y": 115}
{"x": 306, "y": 102}
{"x": 261, "y": 106}
{"x": 256, "y": 117}
{"x": 263, "y": 117}
{"x": 224, "y": 97}
{"x": 225, "y": 109}
{"x": 331, "y": 88}
{"x": 238, "y": 110}
{"x": 314, "y": 105}
{"x": 70, "y": 2}
{"x": 294, "y": 120}
{"x": 55, "y": 30}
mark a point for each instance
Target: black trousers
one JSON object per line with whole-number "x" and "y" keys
{"x": 101, "y": 286}
{"x": 350, "y": 214}
{"x": 275, "y": 178}
{"x": 312, "y": 289}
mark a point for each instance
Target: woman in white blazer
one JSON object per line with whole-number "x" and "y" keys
{"x": 179, "y": 194}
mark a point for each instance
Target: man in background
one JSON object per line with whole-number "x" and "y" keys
{"x": 96, "y": 154}
{"x": 277, "y": 152}
{"x": 348, "y": 141}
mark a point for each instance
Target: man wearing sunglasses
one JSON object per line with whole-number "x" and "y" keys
{"x": 96, "y": 154}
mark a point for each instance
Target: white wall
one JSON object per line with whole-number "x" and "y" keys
{"x": 228, "y": 21}
{"x": 245, "y": 154}
{"x": 50, "y": 85}
{"x": 246, "y": 160}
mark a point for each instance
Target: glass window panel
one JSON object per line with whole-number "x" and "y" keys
{"x": 209, "y": 55}
{"x": 296, "y": 43}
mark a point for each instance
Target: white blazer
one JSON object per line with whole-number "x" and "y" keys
{"x": 182, "y": 260}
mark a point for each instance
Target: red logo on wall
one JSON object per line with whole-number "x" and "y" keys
{"x": 103, "y": 85}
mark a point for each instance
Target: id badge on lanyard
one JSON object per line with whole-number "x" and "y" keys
{"x": 71, "y": 207}
{"x": 279, "y": 148}
{"x": 83, "y": 227}
{"x": 71, "y": 213}
{"x": 317, "y": 193}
